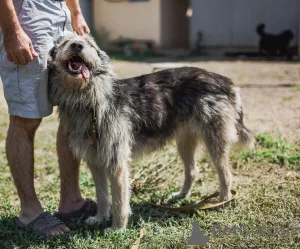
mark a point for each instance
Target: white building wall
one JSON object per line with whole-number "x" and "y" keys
{"x": 135, "y": 20}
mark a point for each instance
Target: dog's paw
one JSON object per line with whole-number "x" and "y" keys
{"x": 98, "y": 219}
{"x": 179, "y": 195}
{"x": 93, "y": 220}
{"x": 108, "y": 230}
{"x": 225, "y": 196}
{"x": 113, "y": 229}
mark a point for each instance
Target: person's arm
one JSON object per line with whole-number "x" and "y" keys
{"x": 17, "y": 44}
{"x": 78, "y": 22}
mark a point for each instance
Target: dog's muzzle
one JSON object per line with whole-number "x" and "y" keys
{"x": 76, "y": 65}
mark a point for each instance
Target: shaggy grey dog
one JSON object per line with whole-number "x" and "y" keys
{"x": 108, "y": 120}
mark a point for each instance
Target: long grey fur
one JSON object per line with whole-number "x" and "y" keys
{"x": 140, "y": 114}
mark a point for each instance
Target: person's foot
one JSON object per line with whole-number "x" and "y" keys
{"x": 44, "y": 225}
{"x": 81, "y": 211}
{"x": 68, "y": 205}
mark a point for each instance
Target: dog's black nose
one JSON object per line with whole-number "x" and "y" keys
{"x": 76, "y": 46}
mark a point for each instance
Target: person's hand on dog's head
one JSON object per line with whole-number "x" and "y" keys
{"x": 79, "y": 24}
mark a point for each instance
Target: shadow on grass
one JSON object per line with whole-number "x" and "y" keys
{"x": 13, "y": 237}
{"x": 148, "y": 213}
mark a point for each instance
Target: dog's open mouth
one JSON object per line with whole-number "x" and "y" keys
{"x": 77, "y": 66}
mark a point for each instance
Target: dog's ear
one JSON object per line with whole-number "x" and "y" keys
{"x": 53, "y": 52}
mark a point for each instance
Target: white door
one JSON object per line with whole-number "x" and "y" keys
{"x": 211, "y": 18}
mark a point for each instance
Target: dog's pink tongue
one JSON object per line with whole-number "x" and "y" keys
{"x": 83, "y": 69}
{"x": 85, "y": 72}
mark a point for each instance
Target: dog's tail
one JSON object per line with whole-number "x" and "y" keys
{"x": 260, "y": 29}
{"x": 246, "y": 138}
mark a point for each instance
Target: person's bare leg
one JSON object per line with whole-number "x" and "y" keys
{"x": 70, "y": 197}
{"x": 20, "y": 156}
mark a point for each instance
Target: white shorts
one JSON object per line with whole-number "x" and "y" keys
{"x": 26, "y": 87}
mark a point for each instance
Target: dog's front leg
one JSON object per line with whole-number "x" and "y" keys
{"x": 120, "y": 190}
{"x": 100, "y": 178}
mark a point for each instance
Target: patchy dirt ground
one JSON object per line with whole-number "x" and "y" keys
{"x": 269, "y": 109}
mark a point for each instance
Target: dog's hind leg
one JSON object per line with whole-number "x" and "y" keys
{"x": 101, "y": 184}
{"x": 218, "y": 145}
{"x": 120, "y": 190}
{"x": 187, "y": 143}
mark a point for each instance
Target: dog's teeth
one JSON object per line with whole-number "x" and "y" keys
{"x": 70, "y": 67}
{"x": 74, "y": 70}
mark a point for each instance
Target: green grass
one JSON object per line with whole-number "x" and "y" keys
{"x": 276, "y": 151}
{"x": 265, "y": 180}
{"x": 288, "y": 98}
{"x": 297, "y": 88}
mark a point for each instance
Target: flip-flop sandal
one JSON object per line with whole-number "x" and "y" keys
{"x": 41, "y": 224}
{"x": 88, "y": 209}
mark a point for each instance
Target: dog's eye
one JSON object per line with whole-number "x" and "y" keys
{"x": 63, "y": 43}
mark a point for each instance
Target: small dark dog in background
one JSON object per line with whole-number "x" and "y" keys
{"x": 274, "y": 45}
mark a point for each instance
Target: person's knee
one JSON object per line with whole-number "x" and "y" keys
{"x": 28, "y": 125}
